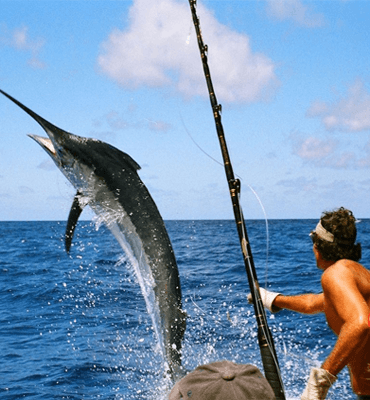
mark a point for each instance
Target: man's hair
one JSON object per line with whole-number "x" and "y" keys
{"x": 342, "y": 224}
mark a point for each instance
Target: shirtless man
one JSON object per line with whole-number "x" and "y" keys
{"x": 345, "y": 301}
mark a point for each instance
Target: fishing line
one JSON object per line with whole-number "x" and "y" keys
{"x": 196, "y": 305}
{"x": 249, "y": 186}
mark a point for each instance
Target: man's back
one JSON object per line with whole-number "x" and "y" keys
{"x": 346, "y": 287}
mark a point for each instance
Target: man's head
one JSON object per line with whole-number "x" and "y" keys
{"x": 223, "y": 380}
{"x": 335, "y": 236}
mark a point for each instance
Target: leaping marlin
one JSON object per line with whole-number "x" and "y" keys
{"x": 106, "y": 179}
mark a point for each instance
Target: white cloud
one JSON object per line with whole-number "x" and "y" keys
{"x": 25, "y": 190}
{"x": 47, "y": 165}
{"x": 116, "y": 122}
{"x": 365, "y": 161}
{"x": 312, "y": 148}
{"x": 327, "y": 153}
{"x": 350, "y": 113}
{"x": 296, "y": 11}
{"x": 159, "y": 126}
{"x": 20, "y": 40}
{"x": 297, "y": 185}
{"x": 159, "y": 48}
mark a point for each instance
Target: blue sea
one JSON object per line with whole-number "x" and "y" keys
{"x": 76, "y": 326}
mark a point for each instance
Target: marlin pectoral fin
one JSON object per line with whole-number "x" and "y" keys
{"x": 74, "y": 214}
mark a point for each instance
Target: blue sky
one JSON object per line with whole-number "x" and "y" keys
{"x": 292, "y": 76}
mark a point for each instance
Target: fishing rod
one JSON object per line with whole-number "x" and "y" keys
{"x": 266, "y": 343}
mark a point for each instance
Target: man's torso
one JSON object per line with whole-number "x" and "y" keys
{"x": 359, "y": 365}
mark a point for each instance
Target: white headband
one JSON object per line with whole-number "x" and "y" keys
{"x": 323, "y": 233}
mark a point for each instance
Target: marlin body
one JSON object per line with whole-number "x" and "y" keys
{"x": 106, "y": 179}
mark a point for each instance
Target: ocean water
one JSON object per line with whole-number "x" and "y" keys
{"x": 76, "y": 326}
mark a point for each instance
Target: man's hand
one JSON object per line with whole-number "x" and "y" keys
{"x": 267, "y": 299}
{"x": 318, "y": 384}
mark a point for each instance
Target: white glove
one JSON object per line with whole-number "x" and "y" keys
{"x": 267, "y": 299}
{"x": 318, "y": 384}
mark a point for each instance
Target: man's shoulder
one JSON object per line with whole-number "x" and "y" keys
{"x": 344, "y": 270}
{"x": 345, "y": 265}
{"x": 337, "y": 269}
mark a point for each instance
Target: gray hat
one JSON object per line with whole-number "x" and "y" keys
{"x": 223, "y": 380}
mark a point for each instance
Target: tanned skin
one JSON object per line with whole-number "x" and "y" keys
{"x": 346, "y": 303}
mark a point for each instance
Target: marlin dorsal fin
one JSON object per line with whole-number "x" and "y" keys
{"x": 74, "y": 214}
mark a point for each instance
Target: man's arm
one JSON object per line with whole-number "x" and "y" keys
{"x": 341, "y": 294}
{"x": 304, "y": 303}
